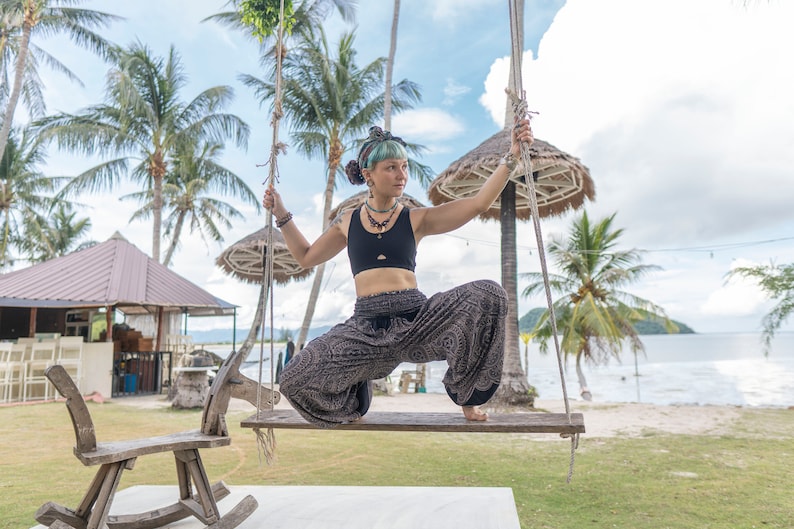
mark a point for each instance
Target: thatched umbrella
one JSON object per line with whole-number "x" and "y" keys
{"x": 561, "y": 181}
{"x": 359, "y": 198}
{"x": 244, "y": 259}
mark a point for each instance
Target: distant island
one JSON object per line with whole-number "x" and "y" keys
{"x": 528, "y": 321}
{"x": 525, "y": 324}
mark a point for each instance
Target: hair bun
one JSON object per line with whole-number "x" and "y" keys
{"x": 353, "y": 172}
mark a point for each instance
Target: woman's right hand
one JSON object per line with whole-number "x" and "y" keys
{"x": 273, "y": 203}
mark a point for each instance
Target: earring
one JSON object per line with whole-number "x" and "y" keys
{"x": 369, "y": 185}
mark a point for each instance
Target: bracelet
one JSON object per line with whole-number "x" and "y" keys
{"x": 510, "y": 161}
{"x": 283, "y": 220}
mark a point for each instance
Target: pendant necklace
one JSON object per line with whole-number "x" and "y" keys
{"x": 381, "y": 225}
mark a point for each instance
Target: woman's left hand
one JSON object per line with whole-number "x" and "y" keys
{"x": 522, "y": 132}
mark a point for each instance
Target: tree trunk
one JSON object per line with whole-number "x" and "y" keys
{"x": 583, "y": 389}
{"x": 256, "y": 325}
{"x": 19, "y": 71}
{"x": 390, "y": 67}
{"x": 180, "y": 221}
{"x": 514, "y": 389}
{"x": 314, "y": 294}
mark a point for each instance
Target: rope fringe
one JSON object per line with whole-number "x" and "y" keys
{"x": 266, "y": 446}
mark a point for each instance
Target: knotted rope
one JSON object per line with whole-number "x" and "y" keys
{"x": 520, "y": 109}
{"x": 266, "y": 442}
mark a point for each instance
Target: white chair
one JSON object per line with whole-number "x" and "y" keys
{"x": 5, "y": 374}
{"x": 15, "y": 371}
{"x": 42, "y": 356}
{"x": 70, "y": 356}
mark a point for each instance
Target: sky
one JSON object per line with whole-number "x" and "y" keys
{"x": 681, "y": 110}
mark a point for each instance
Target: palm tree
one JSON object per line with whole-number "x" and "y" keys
{"x": 24, "y": 19}
{"x": 390, "y": 66}
{"x": 143, "y": 119}
{"x": 190, "y": 192}
{"x": 593, "y": 314}
{"x": 305, "y": 17}
{"x": 777, "y": 282}
{"x": 55, "y": 234}
{"x": 24, "y": 190}
{"x": 329, "y": 102}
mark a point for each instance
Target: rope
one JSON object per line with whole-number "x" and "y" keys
{"x": 520, "y": 109}
{"x": 266, "y": 442}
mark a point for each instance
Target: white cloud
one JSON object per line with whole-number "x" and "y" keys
{"x": 427, "y": 124}
{"x": 454, "y": 91}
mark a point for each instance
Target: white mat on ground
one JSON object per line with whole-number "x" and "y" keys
{"x": 300, "y": 507}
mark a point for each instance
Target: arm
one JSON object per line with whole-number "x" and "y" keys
{"x": 327, "y": 245}
{"x": 453, "y": 215}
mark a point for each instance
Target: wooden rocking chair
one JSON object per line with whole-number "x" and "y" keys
{"x": 93, "y": 511}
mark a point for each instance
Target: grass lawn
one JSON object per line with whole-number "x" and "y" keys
{"x": 741, "y": 480}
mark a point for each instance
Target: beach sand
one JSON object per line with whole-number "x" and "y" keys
{"x": 602, "y": 419}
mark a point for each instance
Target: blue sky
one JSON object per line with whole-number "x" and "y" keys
{"x": 681, "y": 110}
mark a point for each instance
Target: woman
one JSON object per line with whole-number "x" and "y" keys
{"x": 328, "y": 381}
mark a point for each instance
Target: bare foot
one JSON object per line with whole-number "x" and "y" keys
{"x": 473, "y": 413}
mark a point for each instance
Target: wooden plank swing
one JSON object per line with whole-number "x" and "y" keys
{"x": 566, "y": 424}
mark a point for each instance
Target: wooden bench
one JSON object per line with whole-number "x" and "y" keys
{"x": 196, "y": 496}
{"x": 431, "y": 422}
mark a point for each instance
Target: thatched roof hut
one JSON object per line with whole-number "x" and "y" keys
{"x": 245, "y": 259}
{"x": 359, "y": 198}
{"x": 562, "y": 182}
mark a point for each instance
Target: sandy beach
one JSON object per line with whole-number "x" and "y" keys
{"x": 602, "y": 419}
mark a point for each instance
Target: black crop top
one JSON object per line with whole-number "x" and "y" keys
{"x": 396, "y": 248}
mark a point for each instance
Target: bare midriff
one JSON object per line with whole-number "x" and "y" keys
{"x": 379, "y": 280}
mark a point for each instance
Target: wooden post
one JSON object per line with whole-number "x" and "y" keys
{"x": 32, "y": 323}
{"x": 159, "y": 329}
{"x": 108, "y": 324}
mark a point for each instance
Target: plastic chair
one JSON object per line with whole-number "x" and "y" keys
{"x": 42, "y": 356}
{"x": 70, "y": 356}
{"x": 15, "y": 371}
{"x": 5, "y": 375}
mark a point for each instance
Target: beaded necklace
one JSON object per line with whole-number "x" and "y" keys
{"x": 380, "y": 225}
{"x": 366, "y": 203}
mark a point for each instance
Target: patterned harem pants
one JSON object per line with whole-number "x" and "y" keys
{"x": 464, "y": 326}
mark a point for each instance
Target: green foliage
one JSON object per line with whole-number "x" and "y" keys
{"x": 648, "y": 325}
{"x": 777, "y": 281}
{"x": 741, "y": 478}
{"x": 262, "y": 17}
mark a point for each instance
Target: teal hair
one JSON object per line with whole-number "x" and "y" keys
{"x": 386, "y": 150}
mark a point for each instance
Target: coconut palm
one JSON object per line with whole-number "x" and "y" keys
{"x": 55, "y": 234}
{"x": 329, "y": 102}
{"x": 24, "y": 190}
{"x": 594, "y": 316}
{"x": 390, "y": 65}
{"x": 23, "y": 20}
{"x": 143, "y": 119}
{"x": 777, "y": 282}
{"x": 190, "y": 191}
{"x": 304, "y": 16}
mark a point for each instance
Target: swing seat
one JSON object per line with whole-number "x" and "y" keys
{"x": 431, "y": 422}
{"x": 197, "y": 497}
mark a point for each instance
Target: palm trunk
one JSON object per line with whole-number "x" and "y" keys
{"x": 256, "y": 325}
{"x": 19, "y": 71}
{"x": 514, "y": 389}
{"x": 157, "y": 216}
{"x": 314, "y": 294}
{"x": 583, "y": 389}
{"x": 390, "y": 67}
{"x": 180, "y": 221}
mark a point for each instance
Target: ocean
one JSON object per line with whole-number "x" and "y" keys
{"x": 697, "y": 369}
